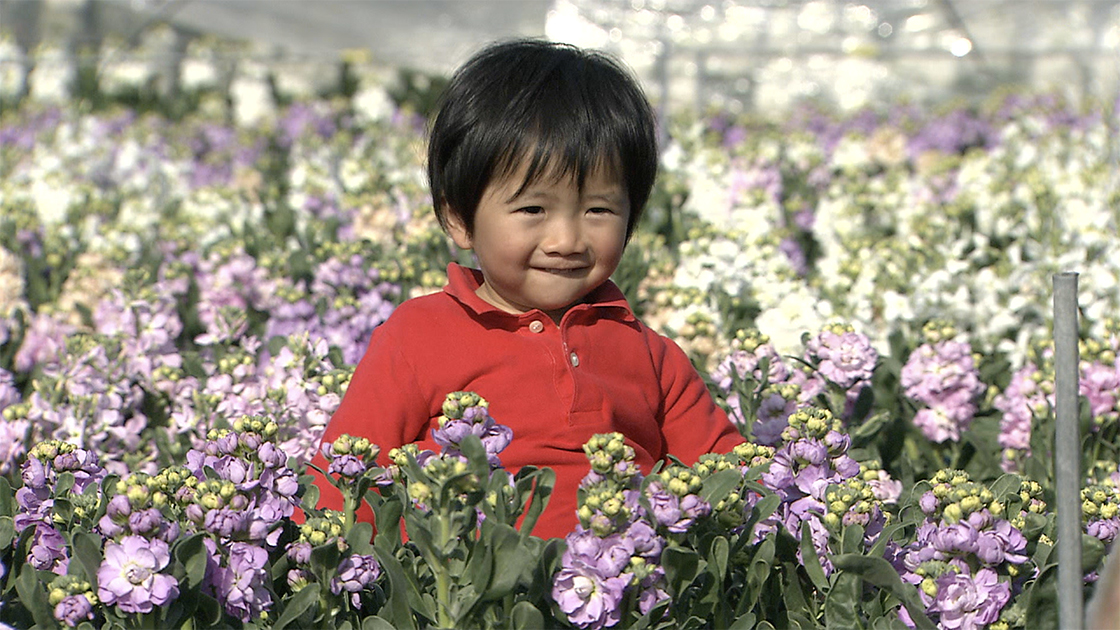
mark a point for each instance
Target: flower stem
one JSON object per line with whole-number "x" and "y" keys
{"x": 443, "y": 580}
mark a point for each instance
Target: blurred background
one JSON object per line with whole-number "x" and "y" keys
{"x": 739, "y": 55}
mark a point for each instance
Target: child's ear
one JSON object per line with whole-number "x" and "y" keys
{"x": 457, "y": 230}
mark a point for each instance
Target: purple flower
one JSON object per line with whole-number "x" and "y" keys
{"x": 645, "y": 540}
{"x": 146, "y": 522}
{"x": 587, "y": 598}
{"x": 242, "y": 586}
{"x": 225, "y": 522}
{"x": 346, "y": 466}
{"x": 48, "y": 550}
{"x": 355, "y": 573}
{"x": 845, "y": 358}
{"x": 73, "y": 610}
{"x": 966, "y": 602}
{"x": 130, "y": 575}
{"x": 299, "y": 552}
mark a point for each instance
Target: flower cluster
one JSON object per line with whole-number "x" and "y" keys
{"x": 354, "y": 574}
{"x": 466, "y": 413}
{"x": 342, "y": 304}
{"x": 843, "y": 358}
{"x": 73, "y": 600}
{"x": 966, "y": 557}
{"x": 812, "y": 459}
{"x": 757, "y": 383}
{"x": 47, "y": 465}
{"x": 942, "y": 376}
{"x": 615, "y": 551}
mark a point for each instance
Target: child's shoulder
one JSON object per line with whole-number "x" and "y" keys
{"x": 421, "y": 308}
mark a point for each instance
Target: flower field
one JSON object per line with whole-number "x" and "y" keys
{"x": 184, "y": 295}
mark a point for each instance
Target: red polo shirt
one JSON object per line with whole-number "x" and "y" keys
{"x": 600, "y": 370}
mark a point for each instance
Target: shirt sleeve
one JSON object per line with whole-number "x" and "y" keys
{"x": 692, "y": 423}
{"x": 383, "y": 403}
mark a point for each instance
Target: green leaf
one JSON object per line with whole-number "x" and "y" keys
{"x": 359, "y": 538}
{"x": 681, "y": 566}
{"x": 811, "y": 560}
{"x": 717, "y": 486}
{"x": 193, "y": 555}
{"x": 33, "y": 595}
{"x": 324, "y": 561}
{"x": 7, "y": 531}
{"x": 717, "y": 557}
{"x": 1092, "y": 553}
{"x": 1042, "y": 598}
{"x": 1005, "y": 485}
{"x": 745, "y": 622}
{"x": 879, "y": 572}
{"x": 510, "y": 558}
{"x": 389, "y": 521}
{"x": 87, "y": 549}
{"x": 870, "y": 429}
{"x": 376, "y": 623}
{"x": 300, "y": 603}
{"x": 403, "y": 593}
{"x": 545, "y": 481}
{"x": 841, "y": 607}
{"x": 526, "y": 616}
{"x": 759, "y": 571}
{"x": 851, "y": 540}
{"x": 7, "y": 508}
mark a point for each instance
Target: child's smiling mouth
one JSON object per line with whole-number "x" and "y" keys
{"x": 563, "y": 271}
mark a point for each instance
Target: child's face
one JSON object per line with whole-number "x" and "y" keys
{"x": 550, "y": 246}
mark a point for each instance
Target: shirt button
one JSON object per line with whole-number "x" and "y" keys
{"x": 536, "y": 326}
{"x": 575, "y": 359}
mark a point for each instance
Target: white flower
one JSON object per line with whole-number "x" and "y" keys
{"x": 52, "y": 76}
{"x": 372, "y": 104}
{"x": 251, "y": 95}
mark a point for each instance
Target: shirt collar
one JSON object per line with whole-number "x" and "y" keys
{"x": 462, "y": 282}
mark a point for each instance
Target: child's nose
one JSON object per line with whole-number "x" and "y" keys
{"x": 564, "y": 237}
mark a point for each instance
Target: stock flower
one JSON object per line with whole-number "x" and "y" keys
{"x": 73, "y": 610}
{"x": 588, "y": 599}
{"x": 130, "y": 575}
{"x": 48, "y": 550}
{"x": 966, "y": 602}
{"x": 943, "y": 377}
{"x": 842, "y": 355}
{"x": 355, "y": 573}
{"x": 242, "y": 585}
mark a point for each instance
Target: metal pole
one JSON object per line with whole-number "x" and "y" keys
{"x": 1067, "y": 452}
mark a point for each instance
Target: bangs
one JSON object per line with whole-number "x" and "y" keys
{"x": 544, "y": 162}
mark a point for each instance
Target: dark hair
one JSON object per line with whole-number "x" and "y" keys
{"x": 565, "y": 110}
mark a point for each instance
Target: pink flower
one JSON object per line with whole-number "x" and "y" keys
{"x": 587, "y": 598}
{"x": 130, "y": 575}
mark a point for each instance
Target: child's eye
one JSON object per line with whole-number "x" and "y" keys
{"x": 600, "y": 211}
{"x": 531, "y": 210}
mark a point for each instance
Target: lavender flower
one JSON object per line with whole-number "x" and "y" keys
{"x": 130, "y": 576}
{"x": 48, "y": 550}
{"x": 466, "y": 413}
{"x": 944, "y": 378}
{"x": 968, "y": 602}
{"x": 588, "y": 599}
{"x": 73, "y": 610}
{"x": 356, "y": 573}
{"x": 842, "y": 356}
{"x": 72, "y": 598}
{"x": 242, "y": 585}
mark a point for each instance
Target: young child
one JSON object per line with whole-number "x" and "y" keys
{"x": 540, "y": 160}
